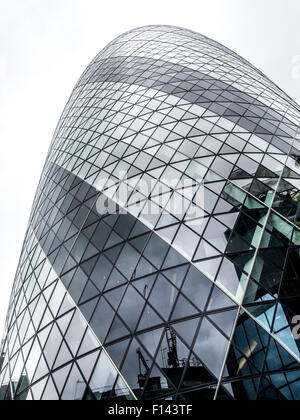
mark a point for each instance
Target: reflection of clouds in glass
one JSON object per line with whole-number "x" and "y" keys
{"x": 228, "y": 277}
{"x": 197, "y": 288}
{"x": 225, "y": 321}
{"x": 131, "y": 308}
{"x": 211, "y": 347}
{"x": 104, "y": 376}
{"x": 162, "y": 295}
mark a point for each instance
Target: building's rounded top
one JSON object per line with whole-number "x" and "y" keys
{"x": 189, "y": 49}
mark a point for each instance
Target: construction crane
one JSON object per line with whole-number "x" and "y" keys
{"x": 172, "y": 346}
{"x": 142, "y": 376}
{"x": 154, "y": 383}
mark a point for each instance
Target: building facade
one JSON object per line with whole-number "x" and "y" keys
{"x": 161, "y": 259}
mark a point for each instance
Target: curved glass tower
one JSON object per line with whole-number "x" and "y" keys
{"x": 161, "y": 259}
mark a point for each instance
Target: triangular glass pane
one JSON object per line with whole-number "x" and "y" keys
{"x": 205, "y": 250}
{"x": 60, "y": 377}
{"x": 219, "y": 300}
{"x": 64, "y": 322}
{"x": 89, "y": 343}
{"x": 90, "y": 292}
{"x": 211, "y": 347}
{"x": 131, "y": 307}
{"x": 38, "y": 389}
{"x": 149, "y": 319}
{"x": 64, "y": 356}
{"x": 197, "y": 288}
{"x": 183, "y": 309}
{"x": 168, "y": 233}
{"x": 163, "y": 296}
{"x": 86, "y": 364}
{"x": 114, "y": 297}
{"x": 50, "y": 393}
{"x": 209, "y": 267}
{"x": 75, "y": 386}
{"x": 145, "y": 285}
{"x": 224, "y": 320}
{"x": 102, "y": 319}
{"x": 42, "y": 370}
{"x": 117, "y": 330}
{"x": 87, "y": 309}
{"x": 117, "y": 351}
{"x": 150, "y": 340}
{"x": 75, "y": 332}
{"x": 187, "y": 330}
{"x": 176, "y": 275}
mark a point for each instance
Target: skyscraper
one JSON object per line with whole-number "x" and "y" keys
{"x": 161, "y": 259}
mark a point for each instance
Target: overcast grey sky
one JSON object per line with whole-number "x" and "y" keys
{"x": 46, "y": 44}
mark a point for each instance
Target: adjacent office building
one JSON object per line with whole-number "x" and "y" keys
{"x": 162, "y": 256}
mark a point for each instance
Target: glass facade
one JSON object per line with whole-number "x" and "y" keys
{"x": 189, "y": 289}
